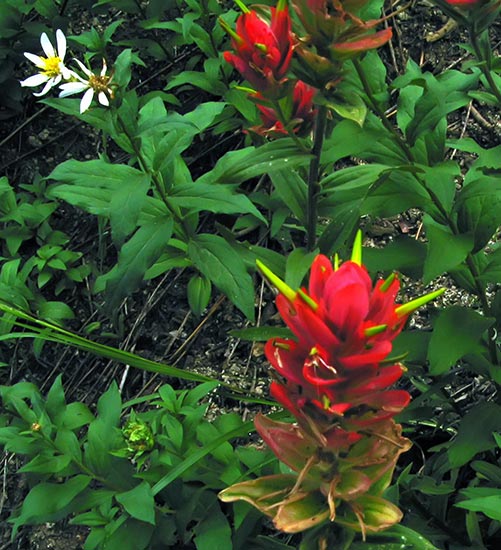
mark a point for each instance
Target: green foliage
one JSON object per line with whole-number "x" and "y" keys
{"x": 80, "y": 466}
{"x": 170, "y": 192}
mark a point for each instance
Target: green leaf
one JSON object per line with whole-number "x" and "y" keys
{"x": 490, "y": 506}
{"x": 213, "y": 531}
{"x": 351, "y": 107}
{"x": 101, "y": 188}
{"x": 297, "y": 265}
{"x": 404, "y": 254}
{"x": 138, "y": 254}
{"x": 475, "y": 433}
{"x": 480, "y": 216}
{"x": 218, "y": 199}
{"x": 46, "y": 501}
{"x": 292, "y": 190}
{"x": 456, "y": 332}
{"x": 445, "y": 250}
{"x": 261, "y": 334}
{"x": 199, "y": 293}
{"x": 139, "y": 502}
{"x": 217, "y": 260}
{"x": 239, "y": 166}
{"x": 55, "y": 311}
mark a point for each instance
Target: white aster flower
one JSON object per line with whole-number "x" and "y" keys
{"x": 94, "y": 84}
{"x": 52, "y": 68}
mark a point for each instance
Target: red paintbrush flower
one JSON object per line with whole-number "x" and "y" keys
{"x": 263, "y": 50}
{"x": 344, "y": 327}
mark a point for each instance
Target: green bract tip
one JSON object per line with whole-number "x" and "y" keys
{"x": 282, "y": 5}
{"x": 308, "y": 300}
{"x": 229, "y": 30}
{"x": 242, "y": 6}
{"x": 336, "y": 261}
{"x": 356, "y": 255}
{"x": 411, "y": 306}
{"x": 387, "y": 283}
{"x": 372, "y": 331}
{"x": 275, "y": 281}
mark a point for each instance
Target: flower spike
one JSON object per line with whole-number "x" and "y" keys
{"x": 275, "y": 281}
{"x": 356, "y": 255}
{"x": 411, "y": 306}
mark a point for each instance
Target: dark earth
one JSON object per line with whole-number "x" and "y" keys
{"x": 156, "y": 322}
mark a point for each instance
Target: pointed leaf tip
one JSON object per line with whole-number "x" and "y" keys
{"x": 242, "y": 6}
{"x": 409, "y": 307}
{"x": 275, "y": 281}
{"x": 356, "y": 255}
{"x": 372, "y": 331}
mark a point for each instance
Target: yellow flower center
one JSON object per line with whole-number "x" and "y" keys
{"x": 99, "y": 83}
{"x": 51, "y": 66}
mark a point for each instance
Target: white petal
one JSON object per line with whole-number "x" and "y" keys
{"x": 46, "y": 88}
{"x": 86, "y": 100}
{"x": 67, "y": 73}
{"x": 34, "y": 80}
{"x": 105, "y": 68}
{"x": 84, "y": 68}
{"x": 36, "y": 59}
{"x": 61, "y": 44}
{"x": 103, "y": 99}
{"x": 48, "y": 48}
{"x": 71, "y": 88}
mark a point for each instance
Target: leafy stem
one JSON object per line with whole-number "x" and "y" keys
{"x": 157, "y": 180}
{"x": 484, "y": 61}
{"x": 313, "y": 176}
{"x": 448, "y": 220}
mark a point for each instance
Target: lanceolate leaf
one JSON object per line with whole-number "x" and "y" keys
{"x": 445, "y": 250}
{"x": 139, "y": 253}
{"x": 240, "y": 166}
{"x": 217, "y": 260}
{"x": 213, "y": 198}
{"x": 456, "y": 332}
{"x": 475, "y": 433}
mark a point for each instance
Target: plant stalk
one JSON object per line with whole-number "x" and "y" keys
{"x": 470, "y": 264}
{"x": 313, "y": 177}
{"x": 485, "y": 64}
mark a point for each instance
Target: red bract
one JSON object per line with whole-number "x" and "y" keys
{"x": 301, "y": 117}
{"x": 463, "y": 3}
{"x": 344, "y": 328}
{"x": 263, "y": 50}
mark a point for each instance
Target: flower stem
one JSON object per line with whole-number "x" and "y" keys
{"x": 313, "y": 177}
{"x": 485, "y": 64}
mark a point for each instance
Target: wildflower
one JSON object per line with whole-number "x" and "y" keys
{"x": 94, "y": 84}
{"x": 338, "y": 368}
{"x": 263, "y": 49}
{"x": 301, "y": 117}
{"x": 51, "y": 68}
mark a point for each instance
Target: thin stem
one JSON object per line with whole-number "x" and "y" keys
{"x": 157, "y": 182}
{"x": 285, "y": 123}
{"x": 485, "y": 64}
{"x": 450, "y": 222}
{"x": 377, "y": 109}
{"x": 313, "y": 176}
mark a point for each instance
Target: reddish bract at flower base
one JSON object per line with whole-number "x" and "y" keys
{"x": 263, "y": 51}
{"x": 300, "y": 120}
